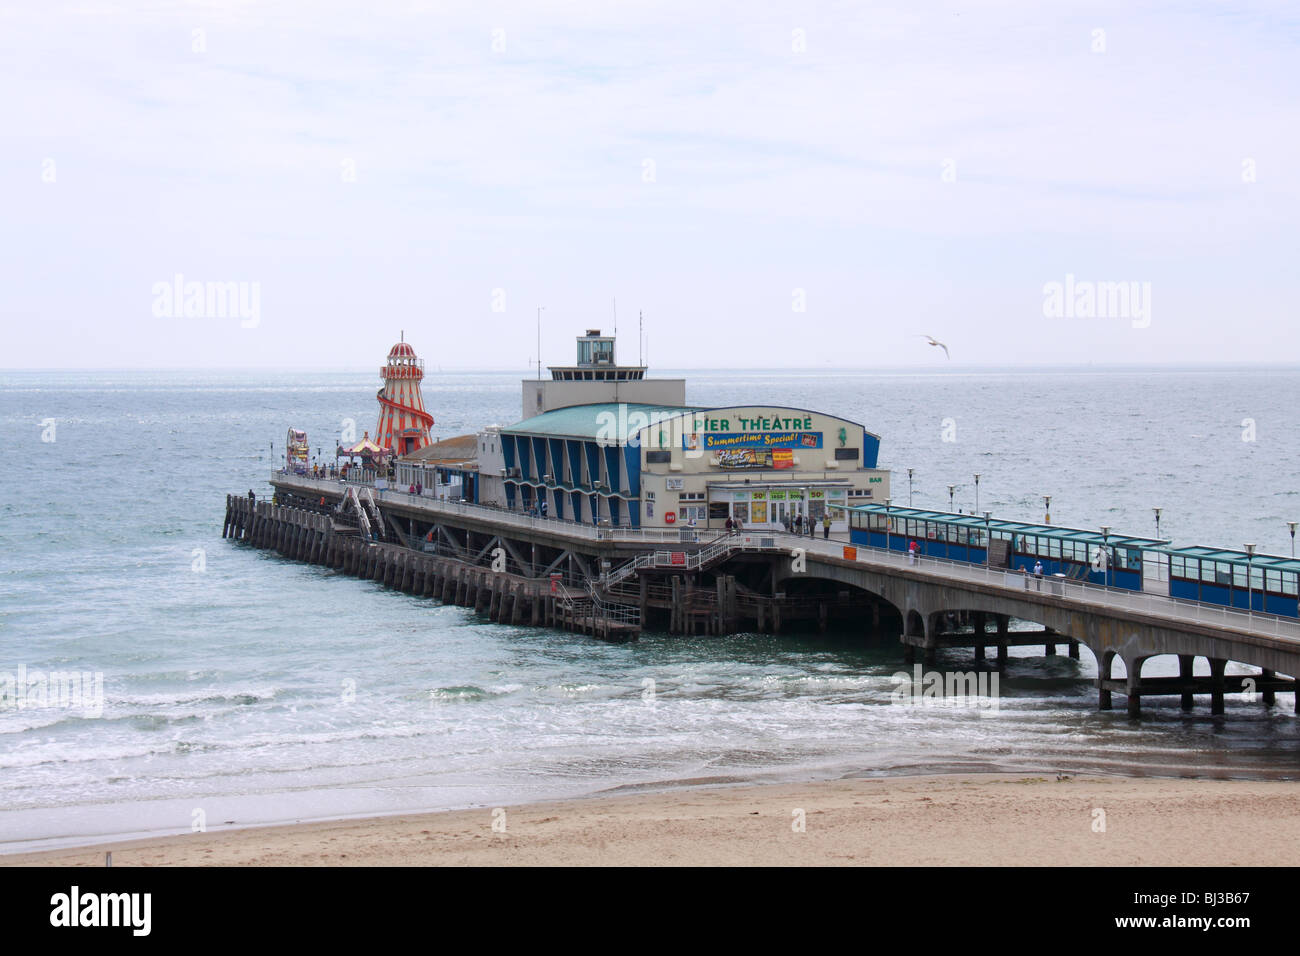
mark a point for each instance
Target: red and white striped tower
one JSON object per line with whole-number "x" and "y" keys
{"x": 403, "y": 422}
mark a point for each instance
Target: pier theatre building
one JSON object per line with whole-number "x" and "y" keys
{"x": 608, "y": 446}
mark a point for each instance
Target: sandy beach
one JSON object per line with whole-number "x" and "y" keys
{"x": 935, "y": 820}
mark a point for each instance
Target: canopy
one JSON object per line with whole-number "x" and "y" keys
{"x": 364, "y": 448}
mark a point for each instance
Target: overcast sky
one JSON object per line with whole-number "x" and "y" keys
{"x": 772, "y": 184}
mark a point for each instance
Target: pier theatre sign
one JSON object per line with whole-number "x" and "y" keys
{"x": 761, "y": 442}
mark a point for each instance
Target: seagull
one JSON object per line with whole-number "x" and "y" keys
{"x": 934, "y": 341}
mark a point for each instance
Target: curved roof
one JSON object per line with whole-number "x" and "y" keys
{"x": 978, "y": 522}
{"x": 606, "y": 421}
{"x": 401, "y": 350}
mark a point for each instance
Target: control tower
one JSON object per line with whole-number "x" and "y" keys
{"x": 597, "y": 377}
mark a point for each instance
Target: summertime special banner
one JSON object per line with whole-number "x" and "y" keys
{"x": 718, "y": 441}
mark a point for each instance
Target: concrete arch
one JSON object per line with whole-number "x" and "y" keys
{"x": 1108, "y": 631}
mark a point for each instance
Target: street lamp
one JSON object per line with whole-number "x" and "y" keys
{"x": 988, "y": 541}
{"x": 1157, "y": 511}
{"x": 539, "y": 342}
{"x": 952, "y": 488}
{"x": 1047, "y": 509}
{"x": 1250, "y": 597}
{"x": 1105, "y": 554}
{"x": 888, "y": 502}
{"x": 909, "y": 487}
{"x": 977, "y": 493}
{"x": 1291, "y": 525}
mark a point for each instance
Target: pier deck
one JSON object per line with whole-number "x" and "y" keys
{"x": 715, "y": 582}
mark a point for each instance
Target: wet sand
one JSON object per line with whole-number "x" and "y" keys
{"x": 972, "y": 819}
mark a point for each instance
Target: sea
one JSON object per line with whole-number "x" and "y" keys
{"x": 237, "y": 688}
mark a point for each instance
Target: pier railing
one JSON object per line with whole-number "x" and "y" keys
{"x": 561, "y": 526}
{"x": 1097, "y": 595}
{"x": 1101, "y": 595}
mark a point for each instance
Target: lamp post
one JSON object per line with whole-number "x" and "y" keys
{"x": 1047, "y": 509}
{"x": 977, "y": 493}
{"x": 539, "y": 342}
{"x": 1291, "y": 525}
{"x": 909, "y": 487}
{"x": 951, "y": 489}
{"x": 1105, "y": 553}
{"x": 988, "y": 541}
{"x": 888, "y": 502}
{"x": 1157, "y": 511}
{"x": 1250, "y": 597}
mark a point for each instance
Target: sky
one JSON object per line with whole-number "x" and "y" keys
{"x": 769, "y": 185}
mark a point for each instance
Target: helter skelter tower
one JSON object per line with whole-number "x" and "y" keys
{"x": 403, "y": 423}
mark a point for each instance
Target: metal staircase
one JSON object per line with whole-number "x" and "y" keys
{"x": 718, "y": 550}
{"x": 350, "y": 495}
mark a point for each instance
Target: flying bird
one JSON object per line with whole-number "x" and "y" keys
{"x": 934, "y": 341}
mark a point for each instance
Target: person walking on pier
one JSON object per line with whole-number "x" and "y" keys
{"x": 1038, "y": 569}
{"x": 826, "y": 526}
{"x": 730, "y": 526}
{"x": 544, "y": 507}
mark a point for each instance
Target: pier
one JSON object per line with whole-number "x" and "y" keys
{"x": 612, "y": 582}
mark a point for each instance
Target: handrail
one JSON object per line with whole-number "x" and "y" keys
{"x": 1259, "y": 623}
{"x": 351, "y": 493}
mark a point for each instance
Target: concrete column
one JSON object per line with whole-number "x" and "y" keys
{"x": 1104, "y": 663}
{"x": 1134, "y": 681}
{"x": 1074, "y": 649}
{"x": 1185, "y": 662}
{"x": 1049, "y": 648}
{"x": 1217, "y": 665}
{"x": 1003, "y": 621}
{"x": 1270, "y": 695}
